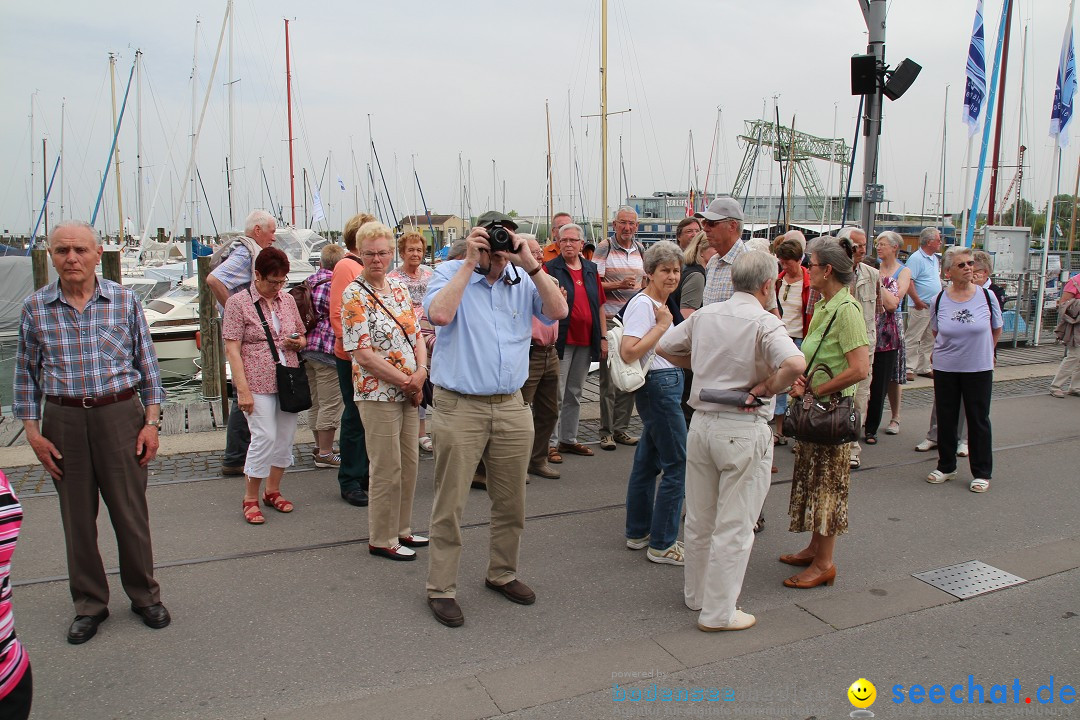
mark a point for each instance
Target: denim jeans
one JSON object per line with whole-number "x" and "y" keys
{"x": 782, "y": 397}
{"x": 662, "y": 448}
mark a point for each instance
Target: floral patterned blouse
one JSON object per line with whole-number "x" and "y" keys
{"x": 365, "y": 324}
{"x": 242, "y": 323}
{"x": 417, "y": 286}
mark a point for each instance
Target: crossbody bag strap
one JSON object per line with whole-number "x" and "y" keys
{"x": 375, "y": 297}
{"x": 822, "y": 341}
{"x": 269, "y": 337}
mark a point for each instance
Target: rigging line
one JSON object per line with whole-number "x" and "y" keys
{"x": 80, "y": 169}
{"x": 12, "y": 177}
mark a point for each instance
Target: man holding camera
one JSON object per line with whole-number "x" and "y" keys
{"x": 482, "y": 309}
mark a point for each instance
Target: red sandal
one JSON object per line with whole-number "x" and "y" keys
{"x": 252, "y": 514}
{"x": 277, "y": 502}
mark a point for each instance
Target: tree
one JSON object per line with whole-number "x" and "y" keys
{"x": 513, "y": 213}
{"x": 1026, "y": 211}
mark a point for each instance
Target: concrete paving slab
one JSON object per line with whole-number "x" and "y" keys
{"x": 846, "y": 610}
{"x": 571, "y": 675}
{"x": 1037, "y": 562}
{"x": 459, "y": 698}
{"x": 779, "y": 626}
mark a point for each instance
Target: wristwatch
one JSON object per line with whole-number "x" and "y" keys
{"x": 154, "y": 423}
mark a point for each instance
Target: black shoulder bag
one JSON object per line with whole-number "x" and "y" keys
{"x": 293, "y": 391}
{"x": 829, "y": 421}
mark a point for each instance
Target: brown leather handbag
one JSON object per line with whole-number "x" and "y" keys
{"x": 825, "y": 421}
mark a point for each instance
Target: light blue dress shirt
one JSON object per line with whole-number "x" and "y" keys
{"x": 926, "y": 274}
{"x": 485, "y": 350}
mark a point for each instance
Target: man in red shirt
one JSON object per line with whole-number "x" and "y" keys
{"x": 541, "y": 389}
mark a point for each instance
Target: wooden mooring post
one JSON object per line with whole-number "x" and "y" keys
{"x": 39, "y": 261}
{"x": 209, "y": 354}
{"x": 110, "y": 265}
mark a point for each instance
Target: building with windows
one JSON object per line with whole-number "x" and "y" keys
{"x": 447, "y": 228}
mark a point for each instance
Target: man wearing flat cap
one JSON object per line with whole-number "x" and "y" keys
{"x": 482, "y": 308}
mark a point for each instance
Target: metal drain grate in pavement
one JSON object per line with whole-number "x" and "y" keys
{"x": 969, "y": 579}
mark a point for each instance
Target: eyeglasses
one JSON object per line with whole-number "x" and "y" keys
{"x": 277, "y": 283}
{"x": 714, "y": 223}
{"x": 787, "y": 289}
{"x": 969, "y": 263}
{"x": 814, "y": 264}
{"x": 382, "y": 255}
{"x": 568, "y": 240}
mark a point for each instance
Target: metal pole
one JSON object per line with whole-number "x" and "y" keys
{"x": 1072, "y": 223}
{"x": 288, "y": 103}
{"x": 116, "y": 145}
{"x": 996, "y": 159}
{"x": 603, "y": 116}
{"x": 551, "y": 200}
{"x": 1041, "y": 277}
{"x": 138, "y": 141}
{"x": 874, "y": 12}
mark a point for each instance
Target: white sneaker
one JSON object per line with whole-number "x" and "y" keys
{"x": 672, "y": 556}
{"x": 638, "y": 543}
{"x": 979, "y": 485}
{"x": 742, "y": 621}
{"x": 937, "y": 477}
{"x": 925, "y": 446}
{"x": 962, "y": 450}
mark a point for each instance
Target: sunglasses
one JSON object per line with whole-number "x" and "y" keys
{"x": 968, "y": 263}
{"x": 714, "y": 223}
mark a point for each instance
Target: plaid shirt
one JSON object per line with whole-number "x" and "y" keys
{"x": 236, "y": 272}
{"x": 103, "y": 350}
{"x": 718, "y": 286}
{"x": 321, "y": 338}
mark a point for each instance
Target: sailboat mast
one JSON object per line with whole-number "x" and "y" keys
{"x": 138, "y": 139}
{"x": 193, "y": 201}
{"x": 603, "y": 117}
{"x": 944, "y": 138}
{"x": 288, "y": 103}
{"x": 1020, "y": 131}
{"x": 44, "y": 186}
{"x": 551, "y": 200}
{"x": 230, "y": 161}
{"x": 116, "y": 149}
{"x": 62, "y": 104}
{"x": 996, "y": 159}
{"x": 32, "y": 165}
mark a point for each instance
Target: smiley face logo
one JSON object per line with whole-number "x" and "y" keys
{"x": 862, "y": 693}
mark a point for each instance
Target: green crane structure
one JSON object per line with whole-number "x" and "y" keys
{"x": 803, "y": 149}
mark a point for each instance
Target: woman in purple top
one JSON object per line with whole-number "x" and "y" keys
{"x": 966, "y": 322}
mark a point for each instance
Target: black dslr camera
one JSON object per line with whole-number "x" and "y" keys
{"x": 500, "y": 239}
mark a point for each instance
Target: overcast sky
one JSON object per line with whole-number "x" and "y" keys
{"x": 469, "y": 79}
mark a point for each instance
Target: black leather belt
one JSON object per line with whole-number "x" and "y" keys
{"x": 538, "y": 346}
{"x": 89, "y": 402}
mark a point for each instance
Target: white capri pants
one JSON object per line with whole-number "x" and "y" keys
{"x": 272, "y": 434}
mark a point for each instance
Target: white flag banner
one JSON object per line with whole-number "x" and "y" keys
{"x": 317, "y": 214}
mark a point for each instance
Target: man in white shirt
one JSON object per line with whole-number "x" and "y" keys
{"x": 733, "y": 346}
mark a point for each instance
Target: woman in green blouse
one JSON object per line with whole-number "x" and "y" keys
{"x": 819, "y": 489}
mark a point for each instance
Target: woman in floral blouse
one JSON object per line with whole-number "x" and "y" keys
{"x": 389, "y": 368}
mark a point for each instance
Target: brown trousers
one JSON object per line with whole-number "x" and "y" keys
{"x": 541, "y": 391}
{"x": 98, "y": 449}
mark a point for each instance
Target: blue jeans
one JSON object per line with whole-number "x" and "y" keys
{"x": 782, "y": 398}
{"x": 662, "y": 448}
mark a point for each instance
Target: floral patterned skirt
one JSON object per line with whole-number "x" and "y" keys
{"x": 900, "y": 371}
{"x": 819, "y": 489}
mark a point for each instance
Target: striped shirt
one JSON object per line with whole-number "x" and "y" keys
{"x": 13, "y": 658}
{"x": 615, "y": 263}
{"x": 103, "y": 350}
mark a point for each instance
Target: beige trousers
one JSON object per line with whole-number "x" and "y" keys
{"x": 393, "y": 453}
{"x": 326, "y": 403}
{"x": 467, "y": 429}
{"x": 862, "y": 399}
{"x": 728, "y": 471}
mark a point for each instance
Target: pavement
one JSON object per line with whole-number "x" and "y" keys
{"x": 294, "y": 619}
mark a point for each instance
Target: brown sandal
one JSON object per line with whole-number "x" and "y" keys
{"x": 252, "y": 514}
{"x": 277, "y": 502}
{"x": 554, "y": 456}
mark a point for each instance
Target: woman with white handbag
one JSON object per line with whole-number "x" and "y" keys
{"x": 653, "y": 513}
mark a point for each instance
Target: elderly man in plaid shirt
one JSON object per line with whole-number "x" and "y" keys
{"x": 326, "y": 402}
{"x": 236, "y": 273}
{"x": 84, "y": 346}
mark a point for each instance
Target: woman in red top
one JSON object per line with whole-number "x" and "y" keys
{"x": 792, "y": 299}
{"x": 582, "y": 333}
{"x": 248, "y": 351}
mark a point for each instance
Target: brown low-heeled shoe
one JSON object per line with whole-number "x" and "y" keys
{"x": 575, "y": 449}
{"x": 796, "y": 560}
{"x": 446, "y": 611}
{"x": 826, "y": 578}
{"x": 514, "y": 591}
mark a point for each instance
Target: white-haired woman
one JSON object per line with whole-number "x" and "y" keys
{"x": 889, "y": 265}
{"x": 966, "y": 321}
{"x": 652, "y": 514}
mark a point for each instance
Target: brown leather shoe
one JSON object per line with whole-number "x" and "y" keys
{"x": 554, "y": 456}
{"x": 446, "y": 611}
{"x": 575, "y": 449}
{"x": 514, "y": 591}
{"x": 793, "y": 559}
